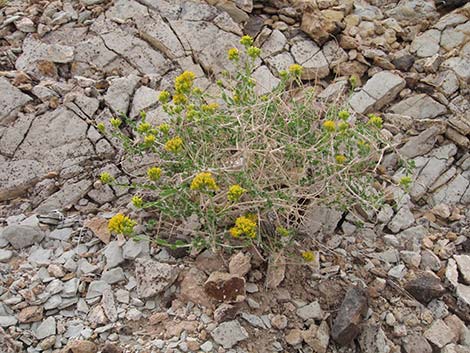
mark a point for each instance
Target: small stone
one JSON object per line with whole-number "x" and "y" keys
{"x": 310, "y": 311}
{"x": 30, "y": 314}
{"x": 276, "y": 271}
{"x": 7, "y": 321}
{"x": 294, "y": 337}
{"x": 113, "y": 254}
{"x": 416, "y": 344}
{"x": 279, "y": 322}
{"x": 46, "y": 328}
{"x": 229, "y": 333}
{"x": 80, "y": 346}
{"x": 439, "y": 334}
{"x": 207, "y": 346}
{"x": 114, "y": 275}
{"x": 5, "y": 255}
{"x": 463, "y": 264}
{"x": 63, "y": 234}
{"x": 347, "y": 324}
{"x": 153, "y": 277}
{"x": 239, "y": 264}
{"x": 96, "y": 289}
{"x": 425, "y": 287}
{"x": 20, "y": 236}
{"x": 224, "y": 286}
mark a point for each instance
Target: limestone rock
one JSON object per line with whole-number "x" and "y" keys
{"x": 21, "y": 236}
{"x": 16, "y": 177}
{"x": 229, "y": 333}
{"x": 11, "y": 100}
{"x": 153, "y": 277}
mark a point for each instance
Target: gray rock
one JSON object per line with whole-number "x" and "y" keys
{"x": 380, "y": 90}
{"x": 265, "y": 81}
{"x": 16, "y": 177}
{"x": 71, "y": 287}
{"x": 425, "y": 287}
{"x": 439, "y": 334}
{"x": 207, "y": 346}
{"x": 310, "y": 311}
{"x": 422, "y": 143}
{"x": 426, "y": 44}
{"x": 40, "y": 256}
{"x": 416, "y": 344}
{"x": 419, "y": 106}
{"x": 35, "y": 51}
{"x": 397, "y": 272}
{"x": 321, "y": 218}
{"x": 7, "y": 321}
{"x": 65, "y": 197}
{"x": 5, "y": 255}
{"x": 53, "y": 302}
{"x": 229, "y": 333}
{"x": 347, "y": 324}
{"x": 113, "y": 276}
{"x": 253, "y": 320}
{"x": 11, "y": 100}
{"x": 402, "y": 220}
{"x": 427, "y": 176}
{"x": 374, "y": 340}
{"x": 274, "y": 44}
{"x": 452, "y": 192}
{"x": 46, "y": 328}
{"x": 113, "y": 254}
{"x": 119, "y": 93}
{"x": 463, "y": 264}
{"x": 133, "y": 249}
{"x": 430, "y": 261}
{"x": 107, "y": 302}
{"x": 153, "y": 277}
{"x": 96, "y": 289}
{"x": 144, "y": 99}
{"x": 20, "y": 236}
{"x": 62, "y": 234}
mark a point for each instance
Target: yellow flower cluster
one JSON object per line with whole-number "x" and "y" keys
{"x": 184, "y": 82}
{"x": 308, "y": 256}
{"x": 235, "y": 192}
{"x": 343, "y": 114}
{"x": 233, "y": 54}
{"x": 329, "y": 125}
{"x": 340, "y": 158}
{"x": 101, "y": 128}
{"x": 282, "y": 231}
{"x": 120, "y": 224}
{"x": 245, "y": 226}
{"x": 204, "y": 181}
{"x": 253, "y": 52}
{"x": 154, "y": 173}
{"x": 149, "y": 139}
{"x": 210, "y": 108}
{"x": 106, "y": 178}
{"x": 375, "y": 120}
{"x": 137, "y": 201}
{"x": 180, "y": 98}
{"x": 295, "y": 69}
{"x": 246, "y": 40}
{"x": 143, "y": 128}
{"x": 406, "y": 181}
{"x": 164, "y": 97}
{"x": 115, "y": 122}
{"x": 164, "y": 128}
{"x": 174, "y": 145}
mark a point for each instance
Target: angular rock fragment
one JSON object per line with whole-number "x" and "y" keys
{"x": 224, "y": 286}
{"x": 347, "y": 324}
{"x": 380, "y": 90}
{"x": 153, "y": 277}
{"x": 425, "y": 287}
{"x": 11, "y": 100}
{"x": 229, "y": 333}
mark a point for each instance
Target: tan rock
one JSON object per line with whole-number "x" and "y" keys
{"x": 240, "y": 264}
{"x": 31, "y": 314}
{"x": 80, "y": 346}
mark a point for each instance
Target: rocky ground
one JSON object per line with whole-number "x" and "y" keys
{"x": 398, "y": 281}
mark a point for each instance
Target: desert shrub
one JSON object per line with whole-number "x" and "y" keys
{"x": 240, "y": 168}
